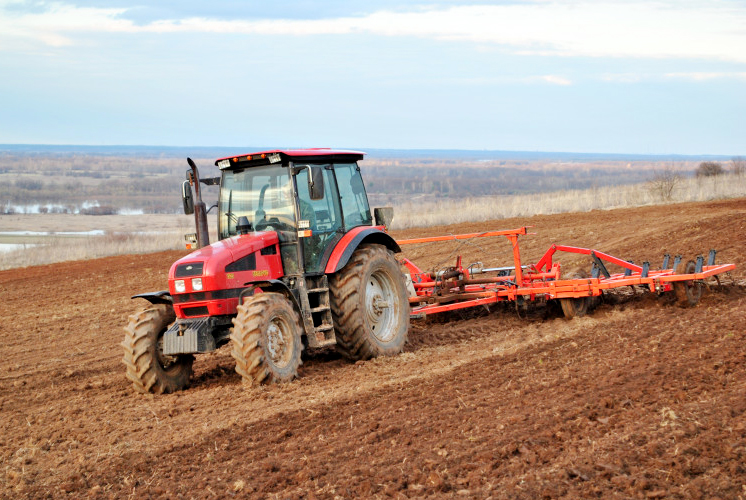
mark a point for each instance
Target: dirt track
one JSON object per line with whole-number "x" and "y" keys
{"x": 641, "y": 399}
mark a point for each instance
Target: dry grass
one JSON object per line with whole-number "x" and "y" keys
{"x": 59, "y": 249}
{"x": 124, "y": 234}
{"x": 447, "y": 211}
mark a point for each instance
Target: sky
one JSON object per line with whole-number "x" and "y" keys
{"x": 603, "y": 76}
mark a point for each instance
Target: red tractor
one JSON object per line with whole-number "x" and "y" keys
{"x": 299, "y": 263}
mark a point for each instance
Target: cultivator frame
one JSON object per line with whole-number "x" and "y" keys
{"x": 456, "y": 287}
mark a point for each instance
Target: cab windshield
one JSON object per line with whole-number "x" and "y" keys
{"x": 263, "y": 194}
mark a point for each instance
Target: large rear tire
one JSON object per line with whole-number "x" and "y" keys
{"x": 369, "y": 305}
{"x": 147, "y": 368}
{"x": 266, "y": 339}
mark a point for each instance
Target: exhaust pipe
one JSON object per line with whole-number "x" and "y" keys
{"x": 200, "y": 211}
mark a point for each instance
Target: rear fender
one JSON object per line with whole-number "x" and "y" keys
{"x": 352, "y": 240}
{"x": 162, "y": 297}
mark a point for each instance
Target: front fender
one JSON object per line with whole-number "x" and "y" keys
{"x": 162, "y": 297}
{"x": 270, "y": 286}
{"x": 352, "y": 240}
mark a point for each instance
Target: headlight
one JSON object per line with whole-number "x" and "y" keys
{"x": 196, "y": 284}
{"x": 179, "y": 286}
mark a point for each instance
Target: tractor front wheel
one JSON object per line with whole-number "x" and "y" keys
{"x": 266, "y": 339}
{"x": 147, "y": 367}
{"x": 369, "y": 305}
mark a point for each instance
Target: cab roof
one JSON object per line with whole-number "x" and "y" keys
{"x": 310, "y": 154}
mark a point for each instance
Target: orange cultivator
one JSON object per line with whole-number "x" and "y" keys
{"x": 459, "y": 287}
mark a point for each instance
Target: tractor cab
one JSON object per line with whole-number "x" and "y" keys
{"x": 310, "y": 198}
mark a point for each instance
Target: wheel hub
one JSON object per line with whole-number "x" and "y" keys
{"x": 163, "y": 360}
{"x": 279, "y": 342}
{"x": 379, "y": 313}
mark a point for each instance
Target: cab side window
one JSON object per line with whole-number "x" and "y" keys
{"x": 352, "y": 195}
{"x": 320, "y": 214}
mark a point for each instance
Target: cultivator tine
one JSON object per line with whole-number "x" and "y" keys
{"x": 711, "y": 257}
{"x": 645, "y": 269}
{"x": 594, "y": 271}
{"x": 628, "y": 272}
{"x": 700, "y": 263}
{"x": 666, "y": 258}
{"x": 600, "y": 265}
{"x": 676, "y": 262}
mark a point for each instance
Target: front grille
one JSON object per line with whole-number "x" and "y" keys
{"x": 181, "y": 298}
{"x": 195, "y": 311}
{"x": 189, "y": 269}
{"x": 189, "y": 297}
{"x": 226, "y": 294}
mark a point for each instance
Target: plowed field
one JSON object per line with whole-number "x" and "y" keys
{"x": 639, "y": 399}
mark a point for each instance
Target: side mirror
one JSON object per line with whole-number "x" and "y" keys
{"x": 186, "y": 198}
{"x": 316, "y": 183}
{"x": 383, "y": 215}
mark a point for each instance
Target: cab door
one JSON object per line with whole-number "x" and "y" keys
{"x": 320, "y": 221}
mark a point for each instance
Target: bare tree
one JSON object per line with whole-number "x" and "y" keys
{"x": 738, "y": 165}
{"x": 664, "y": 182}
{"x": 709, "y": 169}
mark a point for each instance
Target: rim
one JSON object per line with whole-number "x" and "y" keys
{"x": 279, "y": 342}
{"x": 381, "y": 307}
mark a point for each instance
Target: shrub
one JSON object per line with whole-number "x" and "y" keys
{"x": 663, "y": 183}
{"x": 709, "y": 169}
{"x": 738, "y": 165}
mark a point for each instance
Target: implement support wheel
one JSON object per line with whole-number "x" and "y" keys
{"x": 578, "y": 306}
{"x": 147, "y": 367}
{"x": 575, "y": 307}
{"x": 266, "y": 339}
{"x": 687, "y": 292}
{"x": 370, "y": 305}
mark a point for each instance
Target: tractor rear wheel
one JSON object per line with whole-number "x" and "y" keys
{"x": 688, "y": 292}
{"x": 147, "y": 367}
{"x": 266, "y": 339}
{"x": 369, "y": 305}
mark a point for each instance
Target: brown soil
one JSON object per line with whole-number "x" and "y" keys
{"x": 640, "y": 399}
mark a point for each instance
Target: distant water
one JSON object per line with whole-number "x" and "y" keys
{"x": 9, "y": 247}
{"x": 63, "y": 209}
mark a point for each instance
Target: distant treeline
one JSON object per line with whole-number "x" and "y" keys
{"x": 151, "y": 183}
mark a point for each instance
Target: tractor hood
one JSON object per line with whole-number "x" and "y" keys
{"x": 229, "y": 263}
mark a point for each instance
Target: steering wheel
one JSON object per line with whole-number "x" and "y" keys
{"x": 274, "y": 224}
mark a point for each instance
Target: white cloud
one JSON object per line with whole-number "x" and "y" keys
{"x": 691, "y": 76}
{"x": 556, "y": 80}
{"x": 714, "y": 29}
{"x": 703, "y": 76}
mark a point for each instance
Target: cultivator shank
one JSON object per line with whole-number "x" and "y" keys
{"x": 462, "y": 287}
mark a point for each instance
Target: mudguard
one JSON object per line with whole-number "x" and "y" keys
{"x": 162, "y": 297}
{"x": 353, "y": 239}
{"x": 270, "y": 286}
